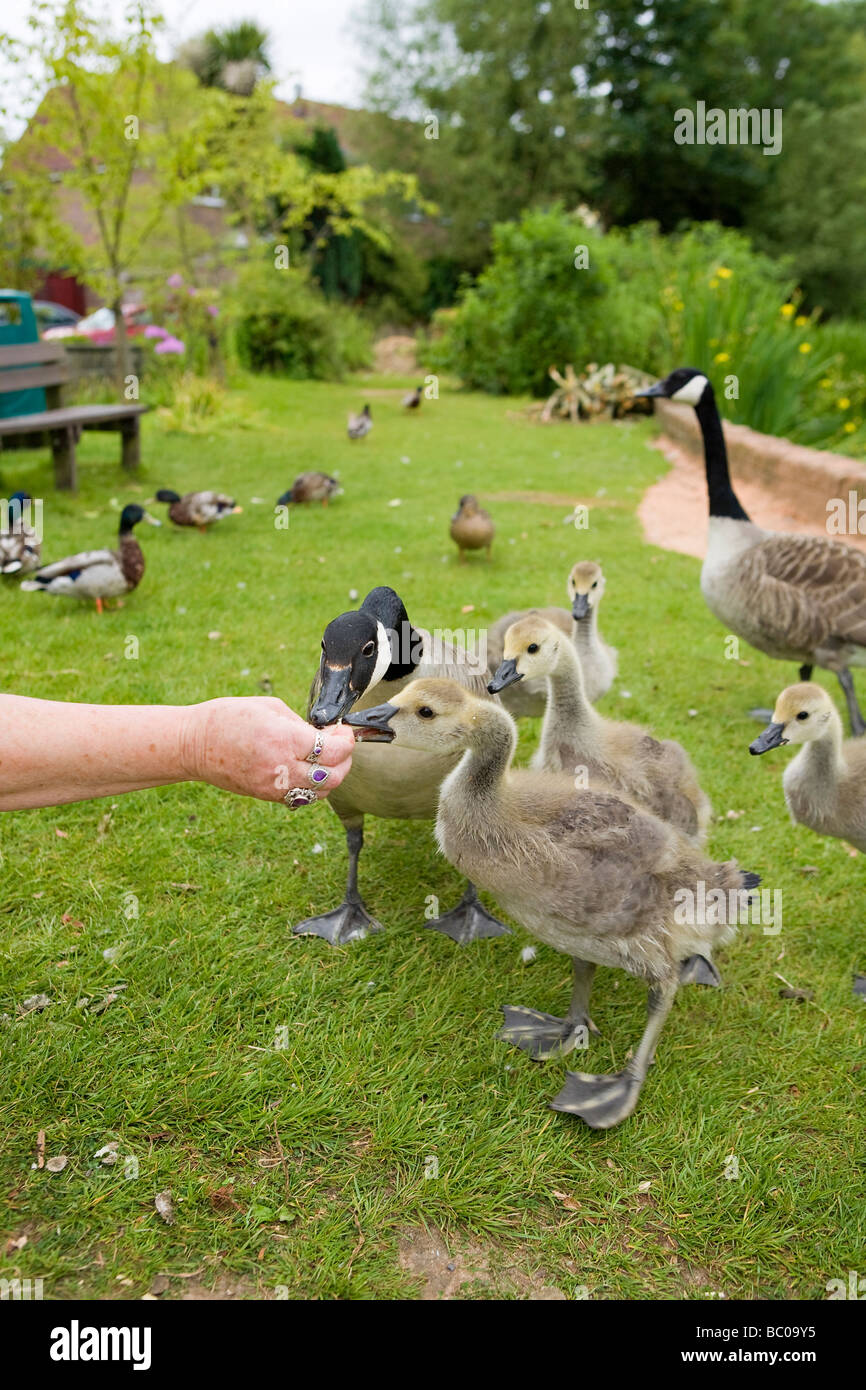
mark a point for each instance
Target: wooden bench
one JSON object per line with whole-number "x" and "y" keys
{"x": 44, "y": 364}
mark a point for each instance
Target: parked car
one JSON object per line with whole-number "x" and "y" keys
{"x": 99, "y": 326}
{"x": 50, "y": 315}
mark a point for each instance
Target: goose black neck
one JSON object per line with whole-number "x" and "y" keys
{"x": 723, "y": 500}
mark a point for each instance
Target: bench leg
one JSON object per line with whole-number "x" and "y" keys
{"x": 130, "y": 445}
{"x": 63, "y": 453}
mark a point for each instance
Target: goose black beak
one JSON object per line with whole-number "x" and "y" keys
{"x": 657, "y": 390}
{"x": 506, "y": 675}
{"x": 772, "y": 737}
{"x": 580, "y": 606}
{"x": 372, "y": 725}
{"x": 336, "y": 697}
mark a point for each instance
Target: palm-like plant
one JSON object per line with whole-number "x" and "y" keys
{"x": 234, "y": 58}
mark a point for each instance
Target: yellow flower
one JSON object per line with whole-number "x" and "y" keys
{"x": 849, "y": 427}
{"x": 722, "y": 357}
{"x": 679, "y": 305}
{"x": 825, "y": 384}
{"x": 805, "y": 347}
{"x": 843, "y": 403}
{"x": 714, "y": 284}
{"x": 724, "y": 273}
{"x": 801, "y": 320}
{"x": 787, "y": 310}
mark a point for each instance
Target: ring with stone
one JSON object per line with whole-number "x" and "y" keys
{"x": 296, "y": 797}
{"x": 318, "y": 775}
{"x": 318, "y": 745}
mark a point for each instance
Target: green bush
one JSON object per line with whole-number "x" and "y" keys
{"x": 282, "y": 324}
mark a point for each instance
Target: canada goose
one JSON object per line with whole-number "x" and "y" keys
{"x": 796, "y": 598}
{"x": 825, "y": 785}
{"x": 361, "y": 424}
{"x": 587, "y": 873}
{"x": 98, "y": 574}
{"x": 311, "y": 487}
{"x": 471, "y": 527}
{"x": 576, "y": 738}
{"x": 598, "y": 661}
{"x": 20, "y": 546}
{"x": 412, "y": 400}
{"x": 361, "y": 650}
{"x": 201, "y": 509}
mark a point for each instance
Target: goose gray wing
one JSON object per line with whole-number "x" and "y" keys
{"x": 806, "y": 589}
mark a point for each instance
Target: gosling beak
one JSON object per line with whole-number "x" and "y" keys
{"x": 336, "y": 696}
{"x": 507, "y": 674}
{"x": 371, "y": 725}
{"x": 152, "y": 520}
{"x": 772, "y": 737}
{"x": 580, "y": 607}
{"x": 649, "y": 391}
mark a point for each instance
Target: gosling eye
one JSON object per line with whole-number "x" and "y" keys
{"x": 368, "y": 648}
{"x": 804, "y": 714}
{"x": 595, "y": 583}
{"x": 425, "y": 712}
{"x": 533, "y": 647}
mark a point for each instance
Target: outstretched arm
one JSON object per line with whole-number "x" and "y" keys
{"x": 51, "y": 752}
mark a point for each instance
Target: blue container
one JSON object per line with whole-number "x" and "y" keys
{"x": 18, "y": 326}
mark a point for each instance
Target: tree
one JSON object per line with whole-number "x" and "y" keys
{"x": 235, "y": 57}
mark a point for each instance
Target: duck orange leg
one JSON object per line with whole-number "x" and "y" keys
{"x": 99, "y": 605}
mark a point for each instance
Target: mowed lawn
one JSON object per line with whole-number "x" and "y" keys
{"x": 314, "y": 1112}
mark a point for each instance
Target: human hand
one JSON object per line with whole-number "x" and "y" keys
{"x": 257, "y": 746}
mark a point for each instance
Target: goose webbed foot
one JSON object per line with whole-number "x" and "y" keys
{"x": 543, "y": 1036}
{"x": 600, "y": 1101}
{"x": 469, "y": 920}
{"x": 349, "y": 922}
{"x": 697, "y": 970}
{"x": 858, "y": 724}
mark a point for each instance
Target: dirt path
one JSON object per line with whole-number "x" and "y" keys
{"x": 673, "y": 512}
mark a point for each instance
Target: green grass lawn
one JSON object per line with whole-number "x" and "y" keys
{"x": 308, "y": 1167}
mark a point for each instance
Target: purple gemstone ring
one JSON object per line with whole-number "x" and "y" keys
{"x": 296, "y": 797}
{"x": 318, "y": 745}
{"x": 318, "y": 775}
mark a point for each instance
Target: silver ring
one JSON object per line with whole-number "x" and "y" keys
{"x": 319, "y": 775}
{"x": 296, "y": 797}
{"x": 318, "y": 745}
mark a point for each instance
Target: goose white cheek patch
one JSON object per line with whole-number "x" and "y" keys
{"x": 383, "y": 655}
{"x": 691, "y": 393}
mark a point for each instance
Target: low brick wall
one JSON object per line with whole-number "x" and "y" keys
{"x": 808, "y": 477}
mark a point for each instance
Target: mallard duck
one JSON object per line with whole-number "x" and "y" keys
{"x": 360, "y": 425}
{"x": 98, "y": 574}
{"x": 311, "y": 487}
{"x": 20, "y": 546}
{"x": 598, "y": 662}
{"x": 365, "y": 652}
{"x": 412, "y": 400}
{"x": 201, "y": 509}
{"x": 586, "y": 872}
{"x": 658, "y": 775}
{"x": 796, "y": 598}
{"x": 471, "y": 527}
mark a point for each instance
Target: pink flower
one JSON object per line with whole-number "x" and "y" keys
{"x": 154, "y": 331}
{"x": 170, "y": 344}
{"x": 175, "y": 281}
{"x": 213, "y": 310}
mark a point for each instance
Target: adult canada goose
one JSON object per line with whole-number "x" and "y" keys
{"x": 598, "y": 661}
{"x": 412, "y": 400}
{"x": 201, "y": 509}
{"x": 98, "y": 574}
{"x": 471, "y": 527}
{"x": 377, "y": 649}
{"x": 575, "y": 737}
{"x": 587, "y": 873}
{"x": 361, "y": 424}
{"x": 20, "y": 546}
{"x": 796, "y": 598}
{"x": 311, "y": 487}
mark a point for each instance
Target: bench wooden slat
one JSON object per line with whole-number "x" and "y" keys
{"x": 83, "y": 415}
{"x": 26, "y": 353}
{"x": 21, "y": 379}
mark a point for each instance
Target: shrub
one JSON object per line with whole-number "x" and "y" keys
{"x": 282, "y": 324}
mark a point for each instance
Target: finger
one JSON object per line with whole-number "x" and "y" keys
{"x": 335, "y": 777}
{"x": 338, "y": 742}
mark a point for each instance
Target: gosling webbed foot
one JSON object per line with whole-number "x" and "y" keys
{"x": 600, "y": 1101}
{"x": 469, "y": 921}
{"x": 349, "y": 922}
{"x": 542, "y": 1035}
{"x": 697, "y": 970}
